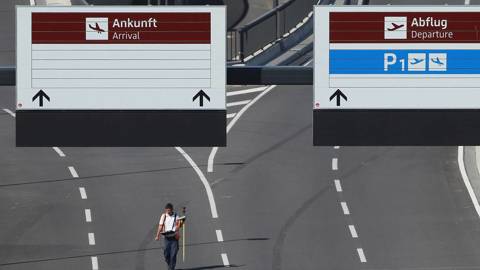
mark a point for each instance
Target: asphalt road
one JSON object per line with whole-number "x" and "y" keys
{"x": 279, "y": 206}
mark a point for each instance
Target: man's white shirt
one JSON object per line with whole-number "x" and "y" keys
{"x": 169, "y": 222}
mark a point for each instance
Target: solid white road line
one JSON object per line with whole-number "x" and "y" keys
{"x": 59, "y": 151}
{"x": 246, "y": 91}
{"x": 208, "y": 189}
{"x": 361, "y": 255}
{"x": 238, "y": 103}
{"x": 9, "y": 112}
{"x": 345, "y": 209}
{"x": 83, "y": 193}
{"x": 338, "y": 185}
{"x": 466, "y": 180}
{"x": 231, "y": 115}
{"x": 334, "y": 164}
{"x": 88, "y": 215}
{"x": 211, "y": 157}
{"x": 91, "y": 239}
{"x": 353, "y": 232}
{"x": 73, "y": 171}
{"x": 219, "y": 235}
{"x": 225, "y": 259}
{"x": 94, "y": 263}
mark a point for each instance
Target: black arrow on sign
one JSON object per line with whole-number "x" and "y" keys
{"x": 338, "y": 94}
{"x": 201, "y": 95}
{"x": 40, "y": 95}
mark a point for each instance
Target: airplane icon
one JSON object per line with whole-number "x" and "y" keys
{"x": 395, "y": 27}
{"x": 416, "y": 61}
{"x": 437, "y": 61}
{"x": 96, "y": 28}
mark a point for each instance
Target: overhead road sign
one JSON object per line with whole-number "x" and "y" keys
{"x": 397, "y": 75}
{"x": 121, "y": 76}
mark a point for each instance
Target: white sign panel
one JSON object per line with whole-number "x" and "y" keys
{"x": 397, "y": 57}
{"x": 104, "y": 57}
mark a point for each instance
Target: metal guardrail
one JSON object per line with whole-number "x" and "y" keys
{"x": 236, "y": 75}
{"x": 269, "y": 75}
{"x": 258, "y": 33}
{"x": 271, "y": 27}
{"x": 7, "y": 76}
{"x": 233, "y": 46}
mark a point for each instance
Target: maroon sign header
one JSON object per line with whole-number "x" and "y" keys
{"x": 424, "y": 27}
{"x": 118, "y": 28}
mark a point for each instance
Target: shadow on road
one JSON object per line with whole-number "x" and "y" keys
{"x": 212, "y": 267}
{"x": 27, "y": 261}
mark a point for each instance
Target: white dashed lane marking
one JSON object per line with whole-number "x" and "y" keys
{"x": 246, "y": 91}
{"x": 353, "y": 231}
{"x": 361, "y": 255}
{"x": 91, "y": 239}
{"x": 83, "y": 193}
{"x": 336, "y": 147}
{"x": 338, "y": 185}
{"x": 59, "y": 151}
{"x": 231, "y": 115}
{"x": 219, "y": 235}
{"x": 88, "y": 215}
{"x": 73, "y": 172}
{"x": 225, "y": 259}
{"x": 94, "y": 263}
{"x": 238, "y": 103}
{"x": 345, "y": 209}
{"x": 334, "y": 164}
{"x": 9, "y": 112}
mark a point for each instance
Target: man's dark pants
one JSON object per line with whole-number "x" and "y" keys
{"x": 170, "y": 252}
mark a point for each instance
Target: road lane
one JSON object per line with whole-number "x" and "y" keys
{"x": 277, "y": 192}
{"x": 412, "y": 207}
{"x": 278, "y": 205}
{"x": 128, "y": 188}
{"x": 36, "y": 191}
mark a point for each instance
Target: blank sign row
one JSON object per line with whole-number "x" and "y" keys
{"x": 120, "y": 64}
{"x": 118, "y": 54}
{"x": 121, "y": 83}
{"x": 120, "y": 74}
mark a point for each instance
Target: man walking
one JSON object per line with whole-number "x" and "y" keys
{"x": 169, "y": 226}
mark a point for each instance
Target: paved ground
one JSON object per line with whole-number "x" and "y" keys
{"x": 279, "y": 206}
